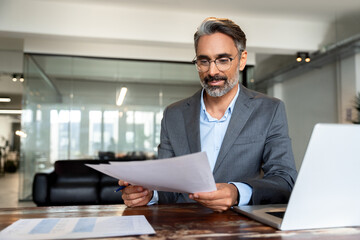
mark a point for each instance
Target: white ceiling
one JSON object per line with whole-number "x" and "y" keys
{"x": 163, "y": 29}
{"x": 319, "y": 10}
{"x": 137, "y": 27}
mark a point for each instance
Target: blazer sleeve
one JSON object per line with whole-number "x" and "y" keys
{"x": 278, "y": 163}
{"x": 165, "y": 150}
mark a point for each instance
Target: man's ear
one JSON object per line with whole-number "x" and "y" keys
{"x": 243, "y": 59}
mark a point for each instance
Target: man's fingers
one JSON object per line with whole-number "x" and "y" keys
{"x": 123, "y": 183}
{"x": 135, "y": 202}
{"x": 219, "y": 205}
{"x": 220, "y": 200}
{"x": 209, "y": 196}
{"x": 139, "y": 201}
{"x": 223, "y": 191}
{"x": 134, "y": 196}
{"x": 134, "y": 192}
{"x": 205, "y": 195}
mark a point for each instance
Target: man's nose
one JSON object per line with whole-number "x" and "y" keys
{"x": 213, "y": 70}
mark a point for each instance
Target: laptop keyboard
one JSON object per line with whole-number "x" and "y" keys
{"x": 277, "y": 214}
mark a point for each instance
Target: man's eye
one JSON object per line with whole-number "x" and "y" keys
{"x": 223, "y": 60}
{"x": 203, "y": 62}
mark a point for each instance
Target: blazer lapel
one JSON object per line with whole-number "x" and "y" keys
{"x": 240, "y": 115}
{"x": 191, "y": 113}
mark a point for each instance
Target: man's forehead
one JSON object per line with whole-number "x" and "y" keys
{"x": 216, "y": 44}
{"x": 220, "y": 55}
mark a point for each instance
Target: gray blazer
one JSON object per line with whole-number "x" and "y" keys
{"x": 256, "y": 149}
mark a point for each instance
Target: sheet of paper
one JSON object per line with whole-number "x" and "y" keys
{"x": 74, "y": 228}
{"x": 188, "y": 174}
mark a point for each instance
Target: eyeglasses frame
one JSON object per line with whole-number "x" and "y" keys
{"x": 194, "y": 61}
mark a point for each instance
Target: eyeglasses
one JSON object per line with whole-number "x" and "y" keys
{"x": 222, "y": 63}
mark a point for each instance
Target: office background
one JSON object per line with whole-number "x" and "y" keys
{"x": 75, "y": 56}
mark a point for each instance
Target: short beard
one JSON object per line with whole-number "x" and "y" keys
{"x": 216, "y": 91}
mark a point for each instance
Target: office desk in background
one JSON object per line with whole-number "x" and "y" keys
{"x": 189, "y": 221}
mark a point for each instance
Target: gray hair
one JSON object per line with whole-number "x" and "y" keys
{"x": 222, "y": 25}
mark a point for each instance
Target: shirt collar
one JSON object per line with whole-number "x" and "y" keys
{"x": 230, "y": 108}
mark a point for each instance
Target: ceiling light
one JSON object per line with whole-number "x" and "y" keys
{"x": 303, "y": 56}
{"x": 14, "y": 78}
{"x": 10, "y": 111}
{"x": 121, "y": 96}
{"x": 21, "y": 78}
{"x": 5, "y": 99}
{"x": 21, "y": 133}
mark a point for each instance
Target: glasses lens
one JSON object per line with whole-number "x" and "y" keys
{"x": 202, "y": 65}
{"x": 223, "y": 64}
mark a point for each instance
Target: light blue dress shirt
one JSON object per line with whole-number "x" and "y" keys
{"x": 212, "y": 132}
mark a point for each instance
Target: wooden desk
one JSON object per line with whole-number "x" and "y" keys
{"x": 181, "y": 221}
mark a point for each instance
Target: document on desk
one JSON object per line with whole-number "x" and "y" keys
{"x": 75, "y": 228}
{"x": 187, "y": 174}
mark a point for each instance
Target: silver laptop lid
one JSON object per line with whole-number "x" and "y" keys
{"x": 327, "y": 190}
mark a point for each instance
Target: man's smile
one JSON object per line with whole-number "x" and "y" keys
{"x": 215, "y": 80}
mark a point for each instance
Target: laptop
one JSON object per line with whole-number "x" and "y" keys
{"x": 327, "y": 190}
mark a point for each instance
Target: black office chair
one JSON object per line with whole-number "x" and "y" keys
{"x": 106, "y": 156}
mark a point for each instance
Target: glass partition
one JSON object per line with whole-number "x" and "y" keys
{"x": 70, "y": 108}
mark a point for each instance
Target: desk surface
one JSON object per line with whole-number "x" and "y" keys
{"x": 190, "y": 221}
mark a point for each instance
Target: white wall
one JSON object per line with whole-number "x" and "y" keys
{"x": 357, "y": 69}
{"x": 309, "y": 98}
{"x": 11, "y": 61}
{"x": 322, "y": 95}
{"x": 346, "y": 89}
{"x": 276, "y": 90}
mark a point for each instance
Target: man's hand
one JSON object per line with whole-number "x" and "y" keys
{"x": 135, "y": 196}
{"x": 220, "y": 200}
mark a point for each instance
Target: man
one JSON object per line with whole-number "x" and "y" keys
{"x": 244, "y": 133}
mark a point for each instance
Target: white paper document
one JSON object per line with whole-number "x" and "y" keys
{"x": 75, "y": 228}
{"x": 187, "y": 174}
